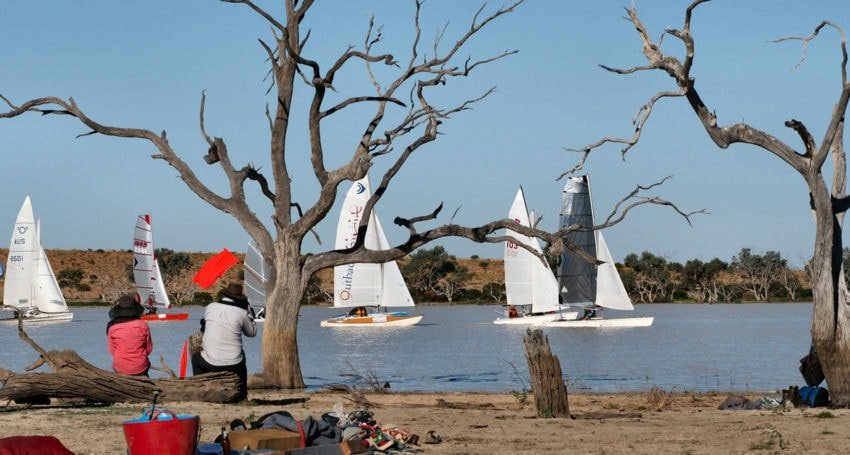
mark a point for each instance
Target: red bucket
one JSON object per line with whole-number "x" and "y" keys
{"x": 166, "y": 434}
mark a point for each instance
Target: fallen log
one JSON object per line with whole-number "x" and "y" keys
{"x": 73, "y": 377}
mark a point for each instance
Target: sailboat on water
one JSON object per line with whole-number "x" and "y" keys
{"x": 361, "y": 286}
{"x": 150, "y": 287}
{"x": 530, "y": 284}
{"x": 582, "y": 284}
{"x": 30, "y": 285}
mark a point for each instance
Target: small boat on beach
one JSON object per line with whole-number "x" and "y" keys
{"x": 530, "y": 285}
{"x": 589, "y": 286}
{"x": 365, "y": 289}
{"x": 150, "y": 287}
{"x": 30, "y": 288}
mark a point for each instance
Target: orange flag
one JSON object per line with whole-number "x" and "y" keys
{"x": 214, "y": 268}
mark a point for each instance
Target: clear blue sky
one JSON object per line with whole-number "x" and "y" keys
{"x": 144, "y": 64}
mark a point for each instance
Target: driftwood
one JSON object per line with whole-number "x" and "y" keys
{"x": 73, "y": 377}
{"x": 550, "y": 392}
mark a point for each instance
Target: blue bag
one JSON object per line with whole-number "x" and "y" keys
{"x": 814, "y": 396}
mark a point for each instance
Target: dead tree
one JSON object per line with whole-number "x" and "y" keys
{"x": 547, "y": 384}
{"x": 73, "y": 377}
{"x": 403, "y": 120}
{"x": 830, "y": 316}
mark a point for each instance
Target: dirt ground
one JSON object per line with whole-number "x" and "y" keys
{"x": 625, "y": 423}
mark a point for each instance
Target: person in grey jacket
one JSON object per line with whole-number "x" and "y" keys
{"x": 224, "y": 323}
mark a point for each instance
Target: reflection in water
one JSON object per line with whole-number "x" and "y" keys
{"x": 689, "y": 347}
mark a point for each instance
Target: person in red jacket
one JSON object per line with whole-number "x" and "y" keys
{"x": 129, "y": 338}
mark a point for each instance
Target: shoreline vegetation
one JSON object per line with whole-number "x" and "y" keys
{"x": 489, "y": 423}
{"x": 98, "y": 277}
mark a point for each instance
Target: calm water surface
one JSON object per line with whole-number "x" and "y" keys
{"x": 753, "y": 347}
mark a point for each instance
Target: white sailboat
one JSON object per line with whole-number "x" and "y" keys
{"x": 255, "y": 281}
{"x": 529, "y": 282}
{"x": 150, "y": 287}
{"x": 581, "y": 283}
{"x": 373, "y": 286}
{"x": 30, "y": 286}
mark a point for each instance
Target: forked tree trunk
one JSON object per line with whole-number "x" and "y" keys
{"x": 550, "y": 392}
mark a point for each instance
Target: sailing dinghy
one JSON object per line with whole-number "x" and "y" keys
{"x": 255, "y": 281}
{"x": 529, "y": 282}
{"x": 585, "y": 285}
{"x": 150, "y": 287}
{"x": 30, "y": 286}
{"x": 372, "y": 286}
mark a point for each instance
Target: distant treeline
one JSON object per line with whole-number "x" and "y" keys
{"x": 435, "y": 276}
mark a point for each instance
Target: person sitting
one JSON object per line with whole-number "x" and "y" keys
{"x": 224, "y": 323}
{"x": 589, "y": 313}
{"x": 358, "y": 311}
{"x": 128, "y": 338}
{"x": 512, "y": 312}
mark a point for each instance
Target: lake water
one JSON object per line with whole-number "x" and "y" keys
{"x": 749, "y": 347}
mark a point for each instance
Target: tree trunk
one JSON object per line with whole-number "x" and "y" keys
{"x": 550, "y": 392}
{"x": 281, "y": 365}
{"x": 73, "y": 377}
{"x": 829, "y": 291}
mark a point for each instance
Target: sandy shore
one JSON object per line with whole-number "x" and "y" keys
{"x": 627, "y": 423}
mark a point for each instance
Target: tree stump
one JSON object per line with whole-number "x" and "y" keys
{"x": 550, "y": 392}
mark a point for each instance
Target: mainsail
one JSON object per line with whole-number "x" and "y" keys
{"x": 255, "y": 276}
{"x": 581, "y": 282}
{"x": 149, "y": 283}
{"x": 528, "y": 280}
{"x": 365, "y": 284}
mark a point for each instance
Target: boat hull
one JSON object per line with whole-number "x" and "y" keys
{"x": 535, "y": 318}
{"x": 374, "y": 320}
{"x": 600, "y": 323}
{"x": 42, "y": 317}
{"x": 165, "y": 317}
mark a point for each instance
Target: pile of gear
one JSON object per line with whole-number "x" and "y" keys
{"x": 334, "y": 427}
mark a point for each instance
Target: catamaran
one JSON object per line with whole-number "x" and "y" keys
{"x": 150, "y": 287}
{"x": 529, "y": 282}
{"x": 361, "y": 286}
{"x": 30, "y": 288}
{"x": 582, "y": 284}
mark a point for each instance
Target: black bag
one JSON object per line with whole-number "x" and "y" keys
{"x": 810, "y": 368}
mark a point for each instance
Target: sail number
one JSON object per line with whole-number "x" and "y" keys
{"x": 16, "y": 258}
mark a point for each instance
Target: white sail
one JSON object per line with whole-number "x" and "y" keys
{"x": 610, "y": 292}
{"x": 365, "y": 284}
{"x": 528, "y": 280}
{"x": 20, "y": 265}
{"x": 47, "y": 295}
{"x": 255, "y": 276}
{"x": 30, "y": 284}
{"x": 150, "y": 286}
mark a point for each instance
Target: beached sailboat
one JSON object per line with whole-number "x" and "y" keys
{"x": 372, "y": 286}
{"x": 529, "y": 282}
{"x": 30, "y": 285}
{"x": 582, "y": 284}
{"x": 150, "y": 287}
{"x": 255, "y": 281}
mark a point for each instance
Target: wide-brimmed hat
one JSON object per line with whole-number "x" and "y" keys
{"x": 234, "y": 291}
{"x": 127, "y": 307}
